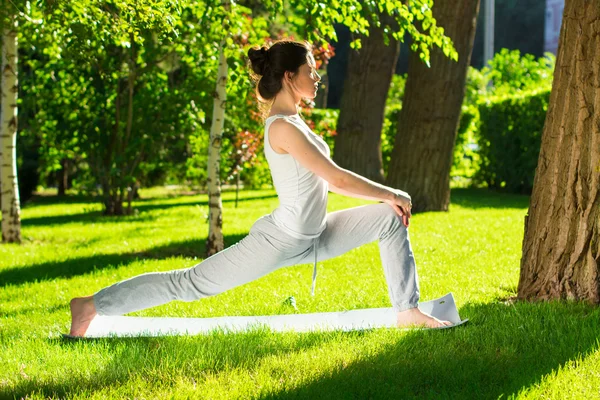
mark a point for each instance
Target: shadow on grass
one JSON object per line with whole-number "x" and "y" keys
{"x": 485, "y": 198}
{"x": 97, "y": 216}
{"x": 83, "y": 265}
{"x": 502, "y": 351}
{"x": 190, "y": 356}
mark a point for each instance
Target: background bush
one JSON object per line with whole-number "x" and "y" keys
{"x": 497, "y": 143}
{"x": 512, "y": 92}
{"x": 502, "y": 120}
{"x": 510, "y": 131}
{"x": 390, "y": 123}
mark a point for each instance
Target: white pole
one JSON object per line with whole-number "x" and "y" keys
{"x": 488, "y": 38}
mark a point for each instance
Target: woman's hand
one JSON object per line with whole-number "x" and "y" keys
{"x": 402, "y": 205}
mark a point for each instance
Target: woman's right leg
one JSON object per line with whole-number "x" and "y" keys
{"x": 263, "y": 250}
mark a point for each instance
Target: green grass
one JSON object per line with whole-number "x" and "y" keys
{"x": 521, "y": 350}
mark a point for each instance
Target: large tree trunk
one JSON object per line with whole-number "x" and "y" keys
{"x": 11, "y": 210}
{"x": 561, "y": 245}
{"x": 428, "y": 122}
{"x": 370, "y": 70}
{"x": 215, "y": 242}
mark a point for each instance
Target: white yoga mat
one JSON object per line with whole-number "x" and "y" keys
{"x": 443, "y": 308}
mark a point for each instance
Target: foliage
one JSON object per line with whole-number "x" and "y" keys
{"x": 244, "y": 125}
{"x": 317, "y": 28}
{"x": 47, "y": 93}
{"x": 323, "y": 122}
{"x": 510, "y": 132}
{"x": 466, "y": 160}
{"x": 27, "y": 166}
{"x": 414, "y": 18}
{"x": 390, "y": 123}
{"x": 120, "y": 87}
{"x": 245, "y": 146}
{"x": 509, "y": 74}
{"x": 102, "y": 99}
{"x": 467, "y": 157}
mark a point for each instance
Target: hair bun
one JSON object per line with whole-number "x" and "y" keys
{"x": 259, "y": 59}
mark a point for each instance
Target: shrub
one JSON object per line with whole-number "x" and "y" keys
{"x": 323, "y": 122}
{"x": 509, "y": 137}
{"x": 466, "y": 159}
{"x": 390, "y": 123}
{"x": 509, "y": 75}
{"x": 510, "y": 72}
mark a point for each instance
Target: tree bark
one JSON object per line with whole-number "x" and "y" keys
{"x": 427, "y": 125}
{"x": 321, "y": 99}
{"x": 561, "y": 244}
{"x": 215, "y": 243}
{"x": 11, "y": 209}
{"x": 362, "y": 107}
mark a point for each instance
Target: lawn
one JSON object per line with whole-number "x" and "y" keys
{"x": 508, "y": 350}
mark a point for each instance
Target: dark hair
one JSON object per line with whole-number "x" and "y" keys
{"x": 270, "y": 64}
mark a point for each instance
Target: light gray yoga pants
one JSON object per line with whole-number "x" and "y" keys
{"x": 267, "y": 248}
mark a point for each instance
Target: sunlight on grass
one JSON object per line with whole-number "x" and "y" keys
{"x": 518, "y": 351}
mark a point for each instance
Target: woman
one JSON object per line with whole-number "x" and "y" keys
{"x": 299, "y": 230}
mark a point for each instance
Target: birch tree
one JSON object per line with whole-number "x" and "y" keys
{"x": 11, "y": 209}
{"x": 215, "y": 207}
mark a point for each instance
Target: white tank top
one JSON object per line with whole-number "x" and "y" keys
{"x": 302, "y": 194}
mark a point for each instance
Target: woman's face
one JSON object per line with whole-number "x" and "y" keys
{"x": 305, "y": 82}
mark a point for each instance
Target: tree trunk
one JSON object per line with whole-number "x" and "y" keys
{"x": 62, "y": 176}
{"x": 11, "y": 209}
{"x": 370, "y": 70}
{"x": 321, "y": 99}
{"x": 427, "y": 125}
{"x": 116, "y": 187}
{"x": 561, "y": 245}
{"x": 215, "y": 242}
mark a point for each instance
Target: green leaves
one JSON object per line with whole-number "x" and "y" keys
{"x": 507, "y": 118}
{"x": 352, "y": 14}
{"x": 511, "y": 128}
{"x": 88, "y": 51}
{"x": 356, "y": 44}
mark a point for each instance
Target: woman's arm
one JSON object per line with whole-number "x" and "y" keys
{"x": 394, "y": 203}
{"x": 356, "y": 184}
{"x": 338, "y": 190}
{"x": 299, "y": 145}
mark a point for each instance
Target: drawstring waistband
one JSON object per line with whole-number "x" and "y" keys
{"x": 314, "y": 278}
{"x": 315, "y": 246}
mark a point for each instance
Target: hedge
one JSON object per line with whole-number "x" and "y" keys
{"x": 509, "y": 138}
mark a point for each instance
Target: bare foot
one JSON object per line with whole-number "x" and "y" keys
{"x": 83, "y": 312}
{"x": 416, "y": 318}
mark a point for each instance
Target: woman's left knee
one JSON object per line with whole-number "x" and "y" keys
{"x": 394, "y": 221}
